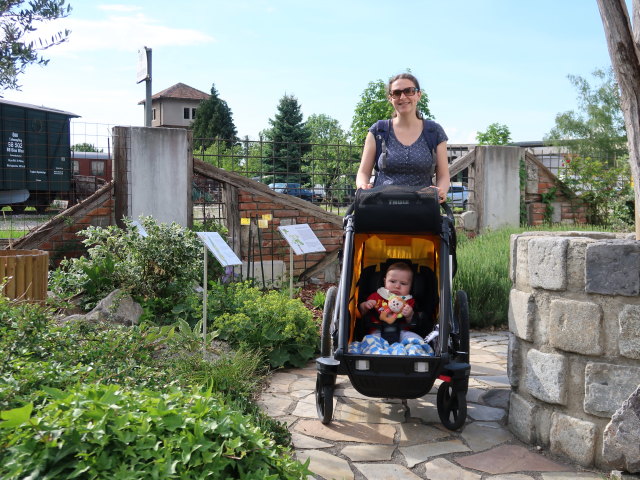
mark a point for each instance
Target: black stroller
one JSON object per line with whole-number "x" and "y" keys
{"x": 390, "y": 224}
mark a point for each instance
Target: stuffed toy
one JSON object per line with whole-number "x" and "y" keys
{"x": 391, "y": 307}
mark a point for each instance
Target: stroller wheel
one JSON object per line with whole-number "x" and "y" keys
{"x": 324, "y": 401}
{"x": 460, "y": 339}
{"x": 452, "y": 406}
{"x": 327, "y": 318}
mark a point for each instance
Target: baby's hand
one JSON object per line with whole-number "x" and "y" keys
{"x": 407, "y": 311}
{"x": 367, "y": 305}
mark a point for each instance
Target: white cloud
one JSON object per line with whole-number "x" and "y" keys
{"x": 119, "y": 32}
{"x": 118, "y": 8}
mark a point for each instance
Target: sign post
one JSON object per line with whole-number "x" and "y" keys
{"x": 144, "y": 75}
{"x": 215, "y": 244}
{"x": 301, "y": 240}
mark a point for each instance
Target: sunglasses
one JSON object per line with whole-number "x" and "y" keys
{"x": 408, "y": 92}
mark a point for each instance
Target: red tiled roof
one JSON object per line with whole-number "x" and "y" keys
{"x": 180, "y": 91}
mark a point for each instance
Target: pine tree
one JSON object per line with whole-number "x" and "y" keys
{"x": 289, "y": 138}
{"x": 214, "y": 120}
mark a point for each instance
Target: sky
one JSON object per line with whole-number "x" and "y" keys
{"x": 479, "y": 61}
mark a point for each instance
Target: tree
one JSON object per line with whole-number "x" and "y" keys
{"x": 331, "y": 162}
{"x": 85, "y": 147}
{"x": 597, "y": 129}
{"x": 496, "y": 134}
{"x": 214, "y": 120}
{"x": 623, "y": 44}
{"x": 18, "y": 21}
{"x": 373, "y": 106}
{"x": 289, "y": 138}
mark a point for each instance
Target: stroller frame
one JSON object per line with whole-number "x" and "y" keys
{"x": 387, "y": 376}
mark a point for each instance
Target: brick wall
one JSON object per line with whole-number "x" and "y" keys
{"x": 286, "y": 211}
{"x": 564, "y": 207}
{"x": 59, "y": 235}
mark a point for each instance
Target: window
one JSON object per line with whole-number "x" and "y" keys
{"x": 97, "y": 168}
{"x": 154, "y": 113}
{"x": 186, "y": 114}
{"x": 193, "y": 113}
{"x": 76, "y": 167}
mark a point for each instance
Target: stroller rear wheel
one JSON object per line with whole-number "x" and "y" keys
{"x": 460, "y": 336}
{"x": 326, "y": 347}
{"x": 324, "y": 400}
{"x": 452, "y": 406}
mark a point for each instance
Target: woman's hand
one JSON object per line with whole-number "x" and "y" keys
{"x": 365, "y": 186}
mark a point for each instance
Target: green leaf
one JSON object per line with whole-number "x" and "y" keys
{"x": 16, "y": 417}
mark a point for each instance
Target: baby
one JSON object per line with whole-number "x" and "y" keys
{"x": 391, "y": 307}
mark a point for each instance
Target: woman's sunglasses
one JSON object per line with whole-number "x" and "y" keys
{"x": 408, "y": 92}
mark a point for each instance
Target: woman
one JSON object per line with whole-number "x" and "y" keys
{"x": 409, "y": 160}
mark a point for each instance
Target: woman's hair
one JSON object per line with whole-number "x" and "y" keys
{"x": 406, "y": 76}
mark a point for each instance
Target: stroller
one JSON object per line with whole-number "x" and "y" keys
{"x": 385, "y": 225}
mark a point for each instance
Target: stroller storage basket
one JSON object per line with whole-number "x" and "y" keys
{"x": 397, "y": 209}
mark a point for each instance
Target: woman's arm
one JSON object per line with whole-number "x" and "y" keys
{"x": 363, "y": 178}
{"x": 443, "y": 179}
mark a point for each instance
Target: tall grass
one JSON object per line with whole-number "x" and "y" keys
{"x": 483, "y": 272}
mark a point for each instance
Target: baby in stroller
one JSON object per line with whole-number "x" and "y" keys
{"x": 390, "y": 308}
{"x": 388, "y": 317}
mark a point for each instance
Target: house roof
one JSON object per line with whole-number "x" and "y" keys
{"x": 41, "y": 108}
{"x": 179, "y": 91}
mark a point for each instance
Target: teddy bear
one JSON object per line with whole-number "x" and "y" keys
{"x": 392, "y": 308}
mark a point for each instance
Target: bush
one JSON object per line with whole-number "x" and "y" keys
{"x": 99, "y": 431}
{"x": 281, "y": 327}
{"x": 164, "y": 264}
{"x": 483, "y": 272}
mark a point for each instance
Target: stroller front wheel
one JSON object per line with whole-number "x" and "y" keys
{"x": 452, "y": 406}
{"x": 326, "y": 344}
{"x": 324, "y": 401}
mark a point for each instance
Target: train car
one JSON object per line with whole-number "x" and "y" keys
{"x": 35, "y": 155}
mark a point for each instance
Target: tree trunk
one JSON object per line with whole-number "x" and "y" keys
{"x": 623, "y": 44}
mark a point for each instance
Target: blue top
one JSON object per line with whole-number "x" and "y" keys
{"x": 408, "y": 165}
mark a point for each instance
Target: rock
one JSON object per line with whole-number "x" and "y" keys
{"x": 117, "y": 307}
{"x": 621, "y": 437}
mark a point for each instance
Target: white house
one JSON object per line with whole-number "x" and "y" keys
{"x": 175, "y": 106}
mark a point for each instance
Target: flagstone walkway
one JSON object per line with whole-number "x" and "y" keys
{"x": 379, "y": 439}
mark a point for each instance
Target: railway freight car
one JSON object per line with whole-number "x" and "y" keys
{"x": 35, "y": 156}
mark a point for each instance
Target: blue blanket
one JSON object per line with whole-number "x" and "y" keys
{"x": 376, "y": 345}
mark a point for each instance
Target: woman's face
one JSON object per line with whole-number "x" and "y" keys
{"x": 404, "y": 103}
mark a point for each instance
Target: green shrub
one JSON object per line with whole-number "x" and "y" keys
{"x": 99, "y": 431}
{"x": 483, "y": 272}
{"x": 281, "y": 327}
{"x": 164, "y": 264}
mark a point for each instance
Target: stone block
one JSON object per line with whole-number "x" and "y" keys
{"x": 613, "y": 268}
{"x": 546, "y": 376}
{"x": 573, "y": 438}
{"x": 547, "y": 263}
{"x": 522, "y": 418}
{"x": 513, "y": 256}
{"x": 513, "y": 360}
{"x": 522, "y": 308}
{"x": 629, "y": 333}
{"x": 621, "y": 437}
{"x": 607, "y": 386}
{"x": 576, "y": 326}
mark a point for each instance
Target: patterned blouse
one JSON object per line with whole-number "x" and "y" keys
{"x": 408, "y": 165}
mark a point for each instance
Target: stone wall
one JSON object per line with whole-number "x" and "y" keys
{"x": 574, "y": 356}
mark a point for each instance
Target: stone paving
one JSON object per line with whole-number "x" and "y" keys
{"x": 379, "y": 439}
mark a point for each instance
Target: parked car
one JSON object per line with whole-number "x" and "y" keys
{"x": 458, "y": 196}
{"x": 294, "y": 189}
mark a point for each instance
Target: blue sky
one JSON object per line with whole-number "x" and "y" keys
{"x": 479, "y": 61}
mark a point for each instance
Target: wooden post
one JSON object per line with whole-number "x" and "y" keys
{"x": 26, "y": 274}
{"x": 623, "y": 44}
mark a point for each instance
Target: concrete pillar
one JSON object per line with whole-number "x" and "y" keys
{"x": 153, "y": 172}
{"x": 496, "y": 189}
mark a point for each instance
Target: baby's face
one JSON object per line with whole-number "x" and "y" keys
{"x": 398, "y": 282}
